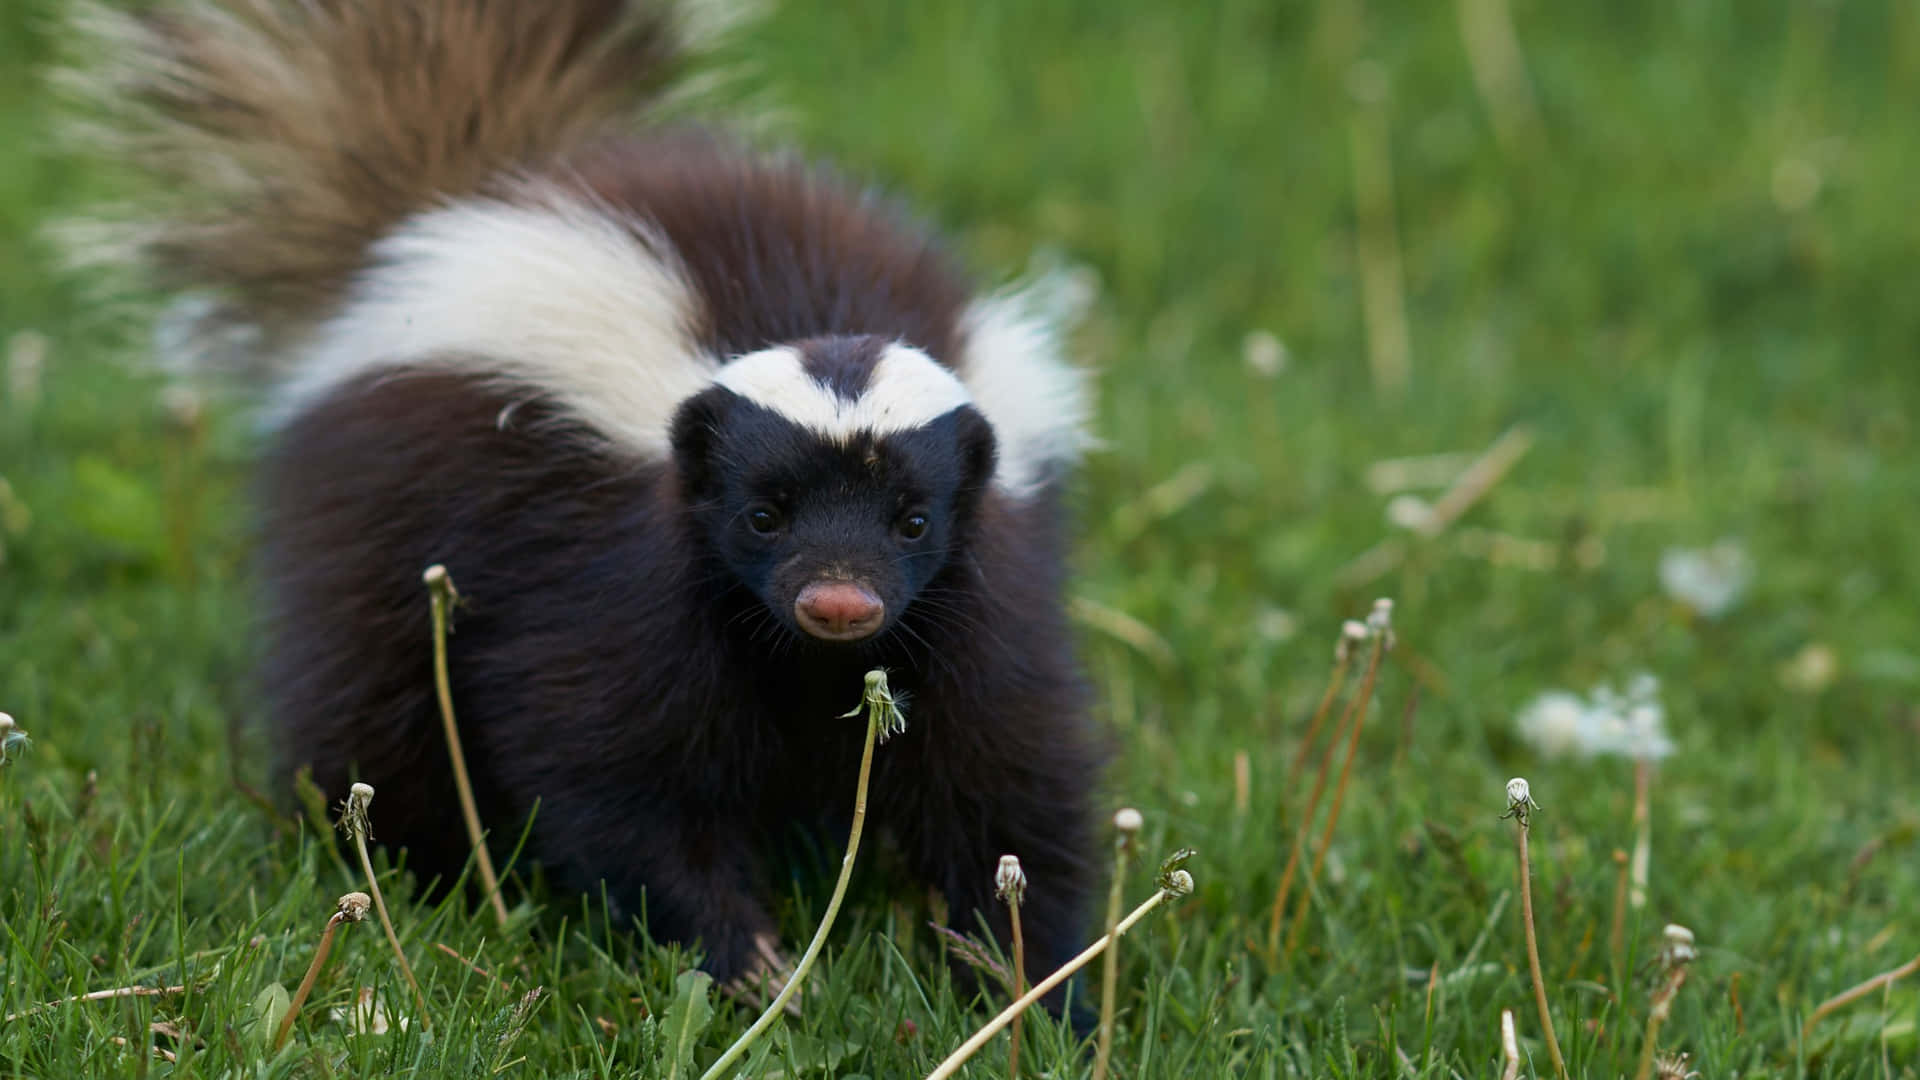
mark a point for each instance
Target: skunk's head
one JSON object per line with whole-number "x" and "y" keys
{"x": 834, "y": 478}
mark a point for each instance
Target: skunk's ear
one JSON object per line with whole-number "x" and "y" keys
{"x": 979, "y": 450}
{"x": 696, "y": 427}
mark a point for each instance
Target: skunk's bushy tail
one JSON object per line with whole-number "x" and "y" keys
{"x": 273, "y": 140}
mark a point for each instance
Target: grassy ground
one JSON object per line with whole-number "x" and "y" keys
{"x": 1686, "y": 269}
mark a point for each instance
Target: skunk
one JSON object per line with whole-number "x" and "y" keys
{"x": 702, "y": 433}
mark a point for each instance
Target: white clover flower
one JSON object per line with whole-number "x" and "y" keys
{"x": 366, "y": 1017}
{"x": 1605, "y": 724}
{"x": 1708, "y": 580}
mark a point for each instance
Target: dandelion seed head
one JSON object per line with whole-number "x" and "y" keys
{"x": 434, "y": 576}
{"x": 1128, "y": 821}
{"x": 354, "y": 906}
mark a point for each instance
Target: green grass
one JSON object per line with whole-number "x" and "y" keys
{"x": 1696, "y": 357}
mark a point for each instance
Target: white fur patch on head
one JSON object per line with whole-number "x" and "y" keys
{"x": 907, "y": 389}
{"x": 1014, "y": 366}
{"x": 546, "y": 291}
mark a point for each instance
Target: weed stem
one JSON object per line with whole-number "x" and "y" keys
{"x": 1519, "y": 805}
{"x": 882, "y": 711}
{"x": 443, "y": 597}
{"x": 1040, "y": 989}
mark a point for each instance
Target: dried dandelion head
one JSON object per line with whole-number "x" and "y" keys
{"x": 879, "y": 697}
{"x": 1380, "y": 619}
{"x": 1174, "y": 878}
{"x": 1673, "y": 1067}
{"x": 1352, "y": 633}
{"x": 354, "y": 906}
{"x": 1520, "y": 802}
{"x": 1010, "y": 882}
{"x": 1178, "y": 884}
{"x": 354, "y": 819}
{"x": 1126, "y": 825}
{"x": 13, "y": 740}
{"x": 1676, "y": 947}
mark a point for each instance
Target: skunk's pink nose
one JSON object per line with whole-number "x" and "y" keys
{"x": 838, "y": 610}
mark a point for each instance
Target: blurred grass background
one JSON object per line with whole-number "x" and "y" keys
{"x": 1676, "y": 245}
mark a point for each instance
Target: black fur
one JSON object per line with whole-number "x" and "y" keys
{"x": 626, "y": 657}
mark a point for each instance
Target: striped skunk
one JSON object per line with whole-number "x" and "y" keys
{"x": 703, "y": 434}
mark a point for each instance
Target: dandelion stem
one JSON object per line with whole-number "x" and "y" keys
{"x": 1019, "y": 988}
{"x": 1848, "y": 997}
{"x": 306, "y": 984}
{"x": 1040, "y": 989}
{"x": 1643, "y": 832}
{"x": 1617, "y": 936}
{"x": 1342, "y": 660}
{"x": 1509, "y": 1047}
{"x": 1657, "y": 1018}
{"x": 355, "y": 820}
{"x": 880, "y": 710}
{"x": 440, "y": 589}
{"x": 1357, "y": 709}
{"x": 100, "y": 995}
{"x": 1533, "y": 950}
{"x": 1126, "y": 824}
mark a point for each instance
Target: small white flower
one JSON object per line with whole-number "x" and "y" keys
{"x": 1555, "y": 723}
{"x": 1605, "y": 724}
{"x": 1409, "y": 512}
{"x": 1276, "y": 624}
{"x": 1128, "y": 821}
{"x": 366, "y": 1017}
{"x": 1708, "y": 580}
{"x": 1266, "y": 355}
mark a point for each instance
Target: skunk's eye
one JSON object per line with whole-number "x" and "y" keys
{"x": 765, "y": 520}
{"x": 913, "y": 526}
